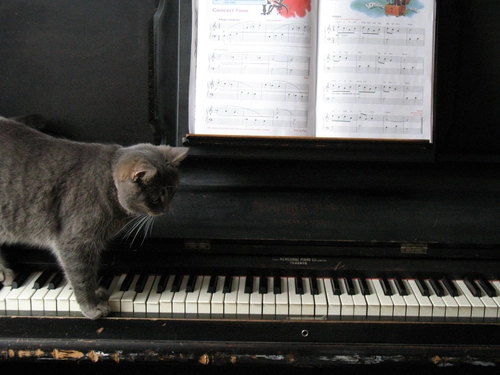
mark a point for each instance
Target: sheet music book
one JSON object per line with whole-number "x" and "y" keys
{"x": 355, "y": 69}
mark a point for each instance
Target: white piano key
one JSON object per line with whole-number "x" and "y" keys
{"x": 153, "y": 301}
{"x": 231, "y": 299}
{"x": 399, "y": 303}
{"x": 12, "y": 299}
{"x": 24, "y": 299}
{"x": 320, "y": 301}
{"x": 490, "y": 305}
{"x": 438, "y": 305}
{"x": 412, "y": 306}
{"x": 217, "y": 298}
{"x": 37, "y": 300}
{"x": 451, "y": 312}
{"x": 496, "y": 286}
{"x": 141, "y": 298}
{"x": 360, "y": 305}
{"x": 205, "y": 298}
{"x": 333, "y": 300}
{"x": 282, "y": 303}
{"x": 50, "y": 299}
{"x": 243, "y": 299}
{"x": 386, "y": 304}
{"x": 372, "y": 302}
{"x": 63, "y": 300}
{"x": 74, "y": 307}
{"x": 269, "y": 299}
{"x": 477, "y": 307}
{"x": 167, "y": 296}
{"x": 256, "y": 298}
{"x": 127, "y": 299}
{"x": 424, "y": 302}
{"x": 3, "y": 295}
{"x": 295, "y": 302}
{"x": 116, "y": 294}
{"x": 345, "y": 300}
{"x": 179, "y": 300}
{"x": 192, "y": 298}
{"x": 307, "y": 299}
{"x": 464, "y": 306}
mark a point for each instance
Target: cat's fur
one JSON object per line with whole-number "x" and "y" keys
{"x": 72, "y": 198}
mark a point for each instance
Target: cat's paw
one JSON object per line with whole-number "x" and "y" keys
{"x": 6, "y": 276}
{"x": 102, "y": 294}
{"x": 96, "y": 312}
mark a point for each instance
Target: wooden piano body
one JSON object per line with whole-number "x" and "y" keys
{"x": 348, "y": 211}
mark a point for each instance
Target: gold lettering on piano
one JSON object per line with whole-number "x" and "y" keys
{"x": 299, "y": 261}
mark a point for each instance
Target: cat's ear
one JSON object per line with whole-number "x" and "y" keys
{"x": 174, "y": 155}
{"x": 143, "y": 172}
{"x": 137, "y": 171}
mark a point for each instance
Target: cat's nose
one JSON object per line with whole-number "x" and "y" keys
{"x": 159, "y": 212}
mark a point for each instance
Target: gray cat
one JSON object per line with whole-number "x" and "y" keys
{"x": 72, "y": 198}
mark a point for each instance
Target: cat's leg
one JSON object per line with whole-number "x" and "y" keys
{"x": 6, "y": 274}
{"x": 81, "y": 266}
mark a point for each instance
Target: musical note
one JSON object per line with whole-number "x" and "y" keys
{"x": 364, "y": 123}
{"x": 236, "y": 116}
{"x": 259, "y": 63}
{"x": 355, "y": 34}
{"x": 373, "y": 94}
{"x": 373, "y": 64}
{"x": 257, "y": 32}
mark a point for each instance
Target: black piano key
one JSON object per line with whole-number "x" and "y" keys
{"x": 336, "y": 286}
{"x": 386, "y": 287}
{"x": 105, "y": 281}
{"x": 365, "y": 290}
{"x": 127, "y": 282}
{"x": 56, "y": 281}
{"x": 422, "y": 286}
{"x": 228, "y": 284}
{"x": 141, "y": 283}
{"x": 42, "y": 279}
{"x": 400, "y": 286}
{"x": 191, "y": 283}
{"x": 162, "y": 284}
{"x": 314, "y": 286}
{"x": 487, "y": 287}
{"x": 212, "y": 284}
{"x": 471, "y": 285}
{"x": 438, "y": 289}
{"x": 176, "y": 286}
{"x": 299, "y": 285}
{"x": 349, "y": 286}
{"x": 263, "y": 285}
{"x": 277, "y": 285}
{"x": 249, "y": 284}
{"x": 450, "y": 287}
{"x": 20, "y": 279}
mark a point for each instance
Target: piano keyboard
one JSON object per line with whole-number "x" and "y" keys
{"x": 48, "y": 293}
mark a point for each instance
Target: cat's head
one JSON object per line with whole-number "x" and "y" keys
{"x": 146, "y": 177}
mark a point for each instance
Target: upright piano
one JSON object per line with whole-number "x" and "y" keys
{"x": 276, "y": 251}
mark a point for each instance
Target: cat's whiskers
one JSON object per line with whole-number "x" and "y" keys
{"x": 138, "y": 223}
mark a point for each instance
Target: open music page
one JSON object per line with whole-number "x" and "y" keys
{"x": 375, "y": 69}
{"x": 325, "y": 68}
{"x": 254, "y": 62}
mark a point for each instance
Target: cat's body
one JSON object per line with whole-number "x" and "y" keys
{"x": 72, "y": 198}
